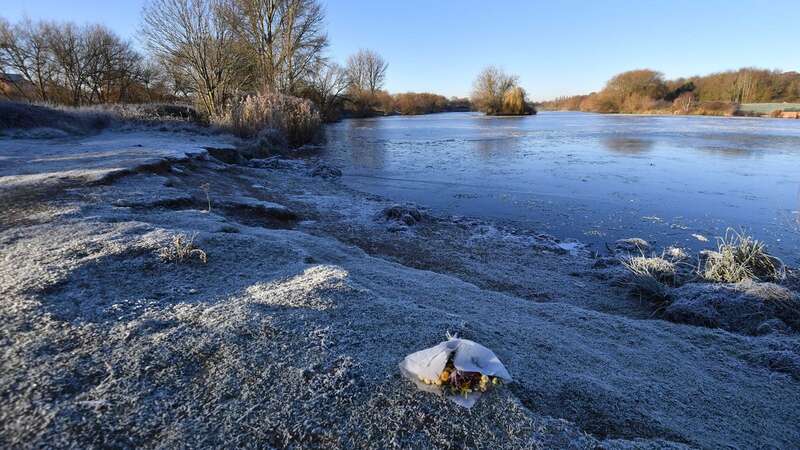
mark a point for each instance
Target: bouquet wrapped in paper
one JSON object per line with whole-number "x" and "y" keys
{"x": 458, "y": 368}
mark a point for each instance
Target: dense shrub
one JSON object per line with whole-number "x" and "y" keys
{"x": 384, "y": 102}
{"x": 599, "y": 102}
{"x": 716, "y": 109}
{"x": 637, "y": 86}
{"x": 411, "y": 103}
{"x": 566, "y": 103}
{"x": 294, "y": 119}
{"x": 363, "y": 103}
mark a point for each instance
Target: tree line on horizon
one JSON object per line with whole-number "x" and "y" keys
{"x": 246, "y": 65}
{"x": 213, "y": 53}
{"x": 721, "y": 93}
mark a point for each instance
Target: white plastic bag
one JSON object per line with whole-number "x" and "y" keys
{"x": 468, "y": 356}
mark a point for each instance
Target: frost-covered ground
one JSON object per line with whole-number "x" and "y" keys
{"x": 291, "y": 334}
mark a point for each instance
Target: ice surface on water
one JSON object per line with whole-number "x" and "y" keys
{"x": 594, "y": 178}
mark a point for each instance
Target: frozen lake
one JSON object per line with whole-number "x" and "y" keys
{"x": 595, "y": 178}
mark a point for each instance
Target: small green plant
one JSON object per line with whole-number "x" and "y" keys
{"x": 740, "y": 258}
{"x": 182, "y": 249}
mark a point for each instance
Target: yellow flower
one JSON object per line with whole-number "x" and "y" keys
{"x": 483, "y": 383}
{"x": 445, "y": 375}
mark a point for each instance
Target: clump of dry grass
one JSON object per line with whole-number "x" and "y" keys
{"x": 657, "y": 267}
{"x": 740, "y": 258}
{"x": 650, "y": 277}
{"x": 295, "y": 119}
{"x": 182, "y": 249}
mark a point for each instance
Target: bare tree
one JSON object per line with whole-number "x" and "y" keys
{"x": 24, "y": 49}
{"x": 684, "y": 102}
{"x": 743, "y": 86}
{"x": 111, "y": 65}
{"x": 193, "y": 37}
{"x": 70, "y": 52}
{"x": 366, "y": 74}
{"x": 328, "y": 83}
{"x": 304, "y": 41}
{"x": 154, "y": 79}
{"x": 285, "y": 37}
{"x": 66, "y": 63}
{"x": 366, "y": 71}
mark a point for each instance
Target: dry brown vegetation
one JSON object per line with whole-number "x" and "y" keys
{"x": 294, "y": 118}
{"x": 741, "y": 258}
{"x": 182, "y": 249}
{"x": 514, "y": 102}
{"x": 495, "y": 92}
{"x": 411, "y": 103}
{"x": 419, "y": 103}
{"x": 646, "y": 91}
{"x": 650, "y": 277}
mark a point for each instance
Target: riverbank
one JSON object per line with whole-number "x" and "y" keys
{"x": 724, "y": 110}
{"x": 658, "y": 113}
{"x": 289, "y": 334}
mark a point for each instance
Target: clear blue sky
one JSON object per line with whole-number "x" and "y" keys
{"x": 556, "y": 47}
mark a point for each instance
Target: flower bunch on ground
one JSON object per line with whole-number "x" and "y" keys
{"x": 458, "y": 382}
